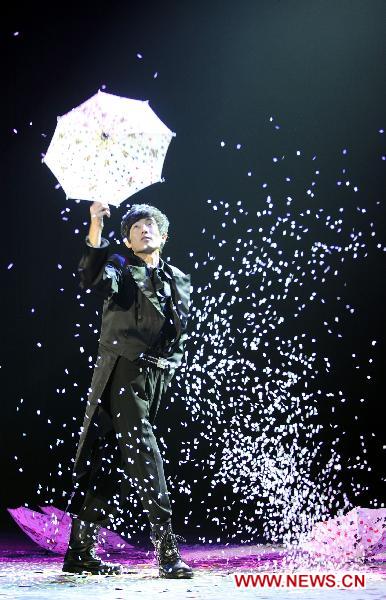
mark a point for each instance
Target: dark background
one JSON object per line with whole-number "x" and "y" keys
{"x": 224, "y": 68}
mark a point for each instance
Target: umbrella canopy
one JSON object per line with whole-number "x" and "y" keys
{"x": 361, "y": 533}
{"x": 51, "y": 529}
{"x": 108, "y": 148}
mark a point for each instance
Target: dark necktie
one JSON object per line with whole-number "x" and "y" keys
{"x": 162, "y": 288}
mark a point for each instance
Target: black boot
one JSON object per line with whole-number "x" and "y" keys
{"x": 168, "y": 555}
{"x": 80, "y": 555}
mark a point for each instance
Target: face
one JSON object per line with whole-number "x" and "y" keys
{"x": 144, "y": 236}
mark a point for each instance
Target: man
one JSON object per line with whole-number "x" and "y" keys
{"x": 145, "y": 312}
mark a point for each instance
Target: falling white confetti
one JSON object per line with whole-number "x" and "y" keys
{"x": 256, "y": 371}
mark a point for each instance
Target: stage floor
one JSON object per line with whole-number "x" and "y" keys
{"x": 28, "y": 572}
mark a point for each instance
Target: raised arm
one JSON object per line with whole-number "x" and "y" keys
{"x": 97, "y": 211}
{"x": 95, "y": 271}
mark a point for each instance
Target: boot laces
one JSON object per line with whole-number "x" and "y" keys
{"x": 166, "y": 547}
{"x": 92, "y": 553}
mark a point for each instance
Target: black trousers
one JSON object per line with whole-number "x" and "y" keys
{"x": 127, "y": 453}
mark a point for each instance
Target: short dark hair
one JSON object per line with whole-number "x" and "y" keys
{"x": 144, "y": 211}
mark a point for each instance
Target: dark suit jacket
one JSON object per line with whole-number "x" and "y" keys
{"x": 132, "y": 316}
{"x": 131, "y": 322}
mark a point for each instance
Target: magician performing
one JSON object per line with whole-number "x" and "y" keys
{"x": 141, "y": 345}
{"x": 111, "y": 147}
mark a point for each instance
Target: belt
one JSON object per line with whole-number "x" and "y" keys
{"x": 154, "y": 361}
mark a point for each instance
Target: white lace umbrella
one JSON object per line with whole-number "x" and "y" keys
{"x": 51, "y": 530}
{"x": 108, "y": 148}
{"x": 361, "y": 533}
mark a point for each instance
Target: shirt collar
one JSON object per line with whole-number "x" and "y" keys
{"x": 138, "y": 261}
